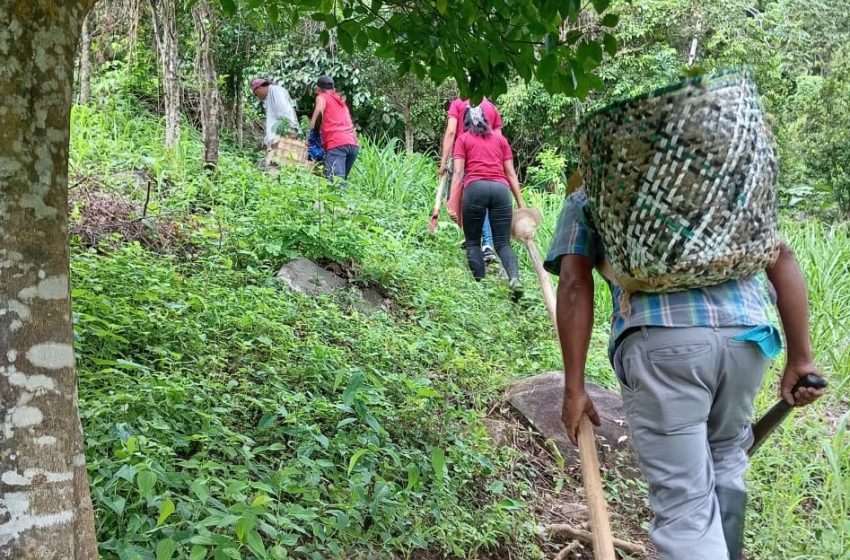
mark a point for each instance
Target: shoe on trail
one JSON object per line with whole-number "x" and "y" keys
{"x": 516, "y": 289}
{"x": 489, "y": 254}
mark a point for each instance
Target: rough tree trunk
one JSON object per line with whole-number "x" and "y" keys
{"x": 45, "y": 507}
{"x": 408, "y": 129}
{"x": 85, "y": 63}
{"x": 133, "y": 9}
{"x": 165, "y": 31}
{"x": 211, "y": 107}
{"x": 240, "y": 114}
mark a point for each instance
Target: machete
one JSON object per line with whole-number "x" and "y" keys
{"x": 778, "y": 412}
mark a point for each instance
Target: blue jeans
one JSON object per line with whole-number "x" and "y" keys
{"x": 338, "y": 162}
{"x": 486, "y": 232}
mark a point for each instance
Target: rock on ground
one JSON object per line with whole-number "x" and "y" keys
{"x": 307, "y": 277}
{"x": 539, "y": 400}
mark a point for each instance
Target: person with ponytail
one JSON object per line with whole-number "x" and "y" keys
{"x": 483, "y": 180}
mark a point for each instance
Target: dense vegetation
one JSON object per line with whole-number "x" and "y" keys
{"x": 229, "y": 417}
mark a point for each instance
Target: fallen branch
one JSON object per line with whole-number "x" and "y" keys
{"x": 567, "y": 549}
{"x": 585, "y": 536}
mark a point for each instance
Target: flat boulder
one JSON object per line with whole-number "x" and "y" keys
{"x": 305, "y": 276}
{"x": 539, "y": 399}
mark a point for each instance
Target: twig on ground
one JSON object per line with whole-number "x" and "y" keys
{"x": 567, "y": 550}
{"x": 586, "y": 536}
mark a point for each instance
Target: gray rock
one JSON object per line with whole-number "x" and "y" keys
{"x": 539, "y": 400}
{"x": 305, "y": 276}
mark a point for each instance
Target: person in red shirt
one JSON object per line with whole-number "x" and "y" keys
{"x": 338, "y": 136}
{"x": 483, "y": 180}
{"x": 456, "y": 112}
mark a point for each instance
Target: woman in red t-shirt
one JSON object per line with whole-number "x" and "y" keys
{"x": 483, "y": 163}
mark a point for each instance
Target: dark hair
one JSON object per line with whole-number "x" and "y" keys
{"x": 325, "y": 83}
{"x": 475, "y": 121}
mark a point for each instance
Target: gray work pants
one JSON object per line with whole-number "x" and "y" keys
{"x": 688, "y": 395}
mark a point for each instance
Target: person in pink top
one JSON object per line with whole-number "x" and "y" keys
{"x": 454, "y": 128}
{"x": 483, "y": 180}
{"x": 337, "y": 129}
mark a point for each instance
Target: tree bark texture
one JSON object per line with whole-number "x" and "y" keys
{"x": 165, "y": 32}
{"x": 133, "y": 11}
{"x": 45, "y": 506}
{"x": 85, "y": 63}
{"x": 408, "y": 129}
{"x": 211, "y": 105}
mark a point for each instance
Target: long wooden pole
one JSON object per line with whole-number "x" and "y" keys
{"x": 435, "y": 214}
{"x": 603, "y": 540}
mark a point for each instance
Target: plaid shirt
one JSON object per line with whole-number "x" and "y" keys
{"x": 737, "y": 303}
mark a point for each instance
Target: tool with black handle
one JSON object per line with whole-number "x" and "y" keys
{"x": 778, "y": 412}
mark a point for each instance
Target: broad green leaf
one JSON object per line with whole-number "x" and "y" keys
{"x": 610, "y": 20}
{"x": 438, "y": 463}
{"x": 547, "y": 66}
{"x": 255, "y": 543}
{"x": 354, "y": 458}
{"x": 229, "y": 6}
{"x": 601, "y": 5}
{"x": 610, "y": 43}
{"x": 198, "y": 553}
{"x": 412, "y": 476}
{"x": 165, "y": 549}
{"x": 146, "y": 481}
{"x": 260, "y": 500}
{"x": 353, "y": 386}
{"x": 441, "y": 6}
{"x": 266, "y": 420}
{"x": 165, "y": 509}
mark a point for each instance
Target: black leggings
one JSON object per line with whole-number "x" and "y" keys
{"x": 478, "y": 198}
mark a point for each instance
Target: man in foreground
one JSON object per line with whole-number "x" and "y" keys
{"x": 279, "y": 108}
{"x": 337, "y": 129}
{"x": 689, "y": 365}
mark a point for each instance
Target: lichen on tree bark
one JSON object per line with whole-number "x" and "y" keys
{"x": 45, "y": 507}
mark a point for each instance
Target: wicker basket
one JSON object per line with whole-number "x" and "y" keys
{"x": 681, "y": 183}
{"x": 287, "y": 151}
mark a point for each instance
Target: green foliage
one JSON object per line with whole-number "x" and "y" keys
{"x": 550, "y": 172}
{"x": 478, "y": 44}
{"x": 226, "y": 416}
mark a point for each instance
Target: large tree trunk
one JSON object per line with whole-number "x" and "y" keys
{"x": 85, "y": 63}
{"x": 211, "y": 107}
{"x": 45, "y": 507}
{"x": 165, "y": 31}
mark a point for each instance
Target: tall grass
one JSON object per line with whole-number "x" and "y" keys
{"x": 801, "y": 478}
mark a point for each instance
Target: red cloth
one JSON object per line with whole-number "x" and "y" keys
{"x": 337, "y": 127}
{"x": 484, "y": 160}
{"x": 458, "y": 108}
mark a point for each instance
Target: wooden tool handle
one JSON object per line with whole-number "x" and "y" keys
{"x": 603, "y": 541}
{"x": 545, "y": 283}
{"x": 436, "y": 212}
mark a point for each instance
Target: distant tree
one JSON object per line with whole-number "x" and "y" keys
{"x": 205, "y": 68}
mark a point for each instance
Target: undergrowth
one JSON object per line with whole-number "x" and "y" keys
{"x": 228, "y": 417}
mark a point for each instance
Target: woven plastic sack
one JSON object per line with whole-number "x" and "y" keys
{"x": 681, "y": 184}
{"x": 287, "y": 151}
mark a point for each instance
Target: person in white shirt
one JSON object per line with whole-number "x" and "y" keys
{"x": 278, "y": 105}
